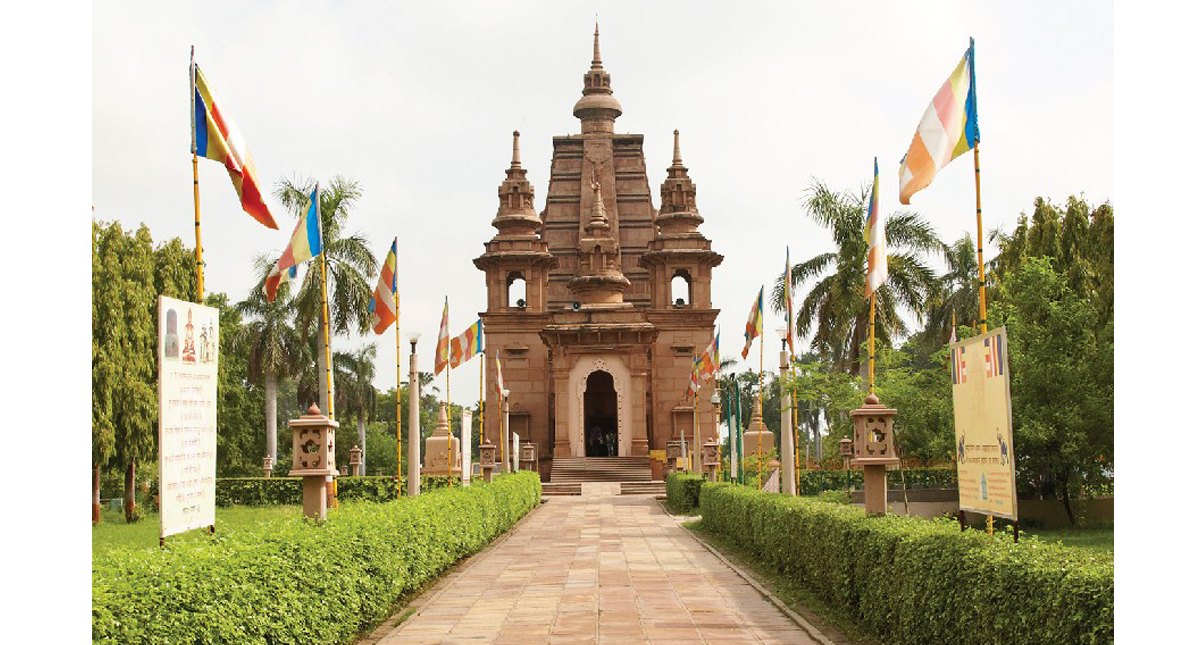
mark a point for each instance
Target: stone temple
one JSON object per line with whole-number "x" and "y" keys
{"x": 597, "y": 304}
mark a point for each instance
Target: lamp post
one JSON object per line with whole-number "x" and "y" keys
{"x": 716, "y": 403}
{"x": 414, "y": 419}
{"x": 787, "y": 452}
{"x": 506, "y": 458}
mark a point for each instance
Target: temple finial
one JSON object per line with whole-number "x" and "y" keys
{"x": 516, "y": 159}
{"x": 678, "y": 160}
{"x": 596, "y": 64}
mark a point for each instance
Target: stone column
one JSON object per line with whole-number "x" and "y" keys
{"x": 787, "y": 458}
{"x": 414, "y": 423}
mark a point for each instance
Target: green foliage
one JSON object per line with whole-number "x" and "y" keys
{"x": 683, "y": 492}
{"x": 293, "y": 581}
{"x": 260, "y": 491}
{"x": 916, "y": 581}
{"x": 813, "y": 482}
{"x": 920, "y": 392}
{"x": 239, "y": 402}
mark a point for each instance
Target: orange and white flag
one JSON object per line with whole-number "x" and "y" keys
{"x": 443, "y": 344}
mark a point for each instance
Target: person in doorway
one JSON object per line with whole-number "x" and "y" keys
{"x": 596, "y": 446}
{"x": 611, "y": 440}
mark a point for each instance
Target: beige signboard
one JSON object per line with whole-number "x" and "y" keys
{"x": 983, "y": 425}
{"x": 464, "y": 442}
{"x": 188, "y": 345}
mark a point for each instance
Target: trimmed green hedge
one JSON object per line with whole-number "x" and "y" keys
{"x": 295, "y": 581}
{"x": 815, "y": 481}
{"x": 683, "y": 492}
{"x": 265, "y": 491}
{"x": 916, "y": 581}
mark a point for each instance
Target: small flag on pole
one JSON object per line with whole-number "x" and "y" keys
{"x": 694, "y": 382}
{"x": 499, "y": 378}
{"x": 877, "y": 268}
{"x": 443, "y": 344}
{"x": 214, "y": 136}
{"x": 383, "y": 305}
{"x": 710, "y": 360}
{"x": 755, "y": 323}
{"x": 304, "y": 246}
{"x": 949, "y": 127}
{"x": 787, "y": 300}
{"x": 466, "y": 345}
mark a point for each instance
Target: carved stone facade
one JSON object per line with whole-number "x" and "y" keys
{"x": 596, "y": 351}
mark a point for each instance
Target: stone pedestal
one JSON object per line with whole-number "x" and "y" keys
{"x": 443, "y": 457}
{"x": 874, "y": 451}
{"x": 312, "y": 459}
{"x": 487, "y": 458}
{"x": 710, "y": 456}
{"x": 528, "y": 456}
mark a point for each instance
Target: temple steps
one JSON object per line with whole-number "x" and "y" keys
{"x": 600, "y": 469}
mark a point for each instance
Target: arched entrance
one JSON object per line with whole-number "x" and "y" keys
{"x": 600, "y": 416}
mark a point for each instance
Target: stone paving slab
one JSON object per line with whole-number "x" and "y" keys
{"x": 600, "y": 569}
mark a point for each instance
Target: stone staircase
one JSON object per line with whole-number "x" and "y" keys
{"x": 561, "y": 488}
{"x": 600, "y": 469}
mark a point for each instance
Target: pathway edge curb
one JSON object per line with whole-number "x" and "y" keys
{"x": 779, "y": 604}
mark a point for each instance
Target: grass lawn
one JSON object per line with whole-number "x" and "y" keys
{"x": 113, "y": 533}
{"x": 1095, "y": 539}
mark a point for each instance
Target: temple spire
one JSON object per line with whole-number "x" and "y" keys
{"x": 678, "y": 160}
{"x": 516, "y": 158}
{"x": 596, "y": 64}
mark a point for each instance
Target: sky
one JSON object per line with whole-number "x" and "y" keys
{"x": 417, "y": 102}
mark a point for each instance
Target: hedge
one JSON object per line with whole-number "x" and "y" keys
{"x": 264, "y": 491}
{"x": 815, "y": 481}
{"x": 296, "y": 581}
{"x": 916, "y": 581}
{"x": 683, "y": 491}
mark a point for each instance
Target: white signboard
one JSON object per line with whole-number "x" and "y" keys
{"x": 465, "y": 442}
{"x": 188, "y": 345}
{"x": 516, "y": 443}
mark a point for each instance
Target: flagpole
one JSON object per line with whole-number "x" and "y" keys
{"x": 871, "y": 348}
{"x": 482, "y": 416}
{"x": 399, "y": 441}
{"x": 979, "y": 247}
{"x": 325, "y": 311}
{"x": 449, "y": 423}
{"x": 196, "y": 185}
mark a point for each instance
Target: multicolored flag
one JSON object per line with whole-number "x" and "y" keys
{"x": 305, "y": 245}
{"x": 694, "y": 382}
{"x": 755, "y": 323}
{"x": 383, "y": 306}
{"x": 214, "y": 136}
{"x": 787, "y": 300}
{"x": 949, "y": 127}
{"x": 499, "y": 378}
{"x": 466, "y": 345}
{"x": 877, "y": 268}
{"x": 710, "y": 360}
{"x": 958, "y": 360}
{"x": 443, "y": 344}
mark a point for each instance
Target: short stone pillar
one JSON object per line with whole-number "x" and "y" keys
{"x": 487, "y": 458}
{"x": 442, "y": 454}
{"x": 312, "y": 459}
{"x": 268, "y": 466}
{"x": 874, "y": 451}
{"x": 528, "y": 456}
{"x": 710, "y": 457}
{"x": 355, "y": 460}
{"x": 676, "y": 449}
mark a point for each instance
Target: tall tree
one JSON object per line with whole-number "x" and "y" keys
{"x": 954, "y": 296}
{"x": 273, "y": 345}
{"x": 835, "y": 309}
{"x": 350, "y": 265}
{"x": 356, "y": 391}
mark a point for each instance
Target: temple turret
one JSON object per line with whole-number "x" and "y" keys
{"x": 599, "y": 279}
{"x": 597, "y": 108}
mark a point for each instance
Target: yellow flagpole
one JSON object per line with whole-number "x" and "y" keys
{"x": 482, "y": 416}
{"x": 449, "y": 425}
{"x": 762, "y": 341}
{"x": 871, "y": 369}
{"x": 325, "y": 317}
{"x": 399, "y": 441}
{"x": 979, "y": 247}
{"x": 199, "y": 249}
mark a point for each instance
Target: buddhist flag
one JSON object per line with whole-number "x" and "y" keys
{"x": 466, "y": 345}
{"x": 877, "y": 269}
{"x": 949, "y": 127}
{"x": 214, "y": 136}
{"x": 383, "y": 305}
{"x": 694, "y": 382}
{"x": 305, "y": 245}
{"x": 499, "y": 378}
{"x": 755, "y": 323}
{"x": 787, "y": 299}
{"x": 710, "y": 360}
{"x": 443, "y": 345}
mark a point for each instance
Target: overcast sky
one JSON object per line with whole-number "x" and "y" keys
{"x": 417, "y": 102}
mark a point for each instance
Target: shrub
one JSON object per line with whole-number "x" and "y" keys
{"x": 683, "y": 492}
{"x": 260, "y": 491}
{"x": 916, "y": 581}
{"x": 815, "y": 481}
{"x": 295, "y": 581}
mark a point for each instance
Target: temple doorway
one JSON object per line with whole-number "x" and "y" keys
{"x": 600, "y": 416}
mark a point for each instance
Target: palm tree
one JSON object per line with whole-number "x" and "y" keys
{"x": 836, "y": 308}
{"x": 356, "y": 396}
{"x": 954, "y": 298}
{"x": 273, "y": 343}
{"x": 350, "y": 265}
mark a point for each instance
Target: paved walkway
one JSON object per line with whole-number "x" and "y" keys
{"x": 602, "y": 569}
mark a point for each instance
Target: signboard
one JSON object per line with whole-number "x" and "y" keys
{"x": 516, "y": 443}
{"x": 188, "y": 342}
{"x": 983, "y": 425}
{"x": 465, "y": 443}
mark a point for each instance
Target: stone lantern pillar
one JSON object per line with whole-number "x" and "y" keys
{"x": 437, "y": 453}
{"x": 676, "y": 448}
{"x": 710, "y": 456}
{"x": 874, "y": 450}
{"x": 268, "y": 465}
{"x": 356, "y": 461}
{"x": 312, "y": 458}
{"x": 529, "y": 458}
{"x": 487, "y": 458}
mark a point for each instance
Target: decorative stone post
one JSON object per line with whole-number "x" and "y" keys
{"x": 874, "y": 450}
{"x": 675, "y": 452}
{"x": 710, "y": 456}
{"x": 355, "y": 460}
{"x": 529, "y": 458}
{"x": 787, "y": 453}
{"x": 268, "y": 465}
{"x": 436, "y": 452}
{"x": 414, "y": 420}
{"x": 487, "y": 458}
{"x": 312, "y": 458}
